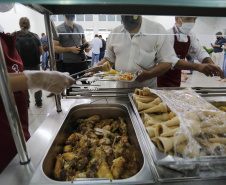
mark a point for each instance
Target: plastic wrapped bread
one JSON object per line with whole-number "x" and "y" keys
{"x": 197, "y": 127}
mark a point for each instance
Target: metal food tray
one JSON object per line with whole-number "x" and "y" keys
{"x": 184, "y": 168}
{"x": 44, "y": 173}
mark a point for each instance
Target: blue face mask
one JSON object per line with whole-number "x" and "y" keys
{"x": 70, "y": 17}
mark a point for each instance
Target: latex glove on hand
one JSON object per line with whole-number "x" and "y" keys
{"x": 211, "y": 70}
{"x": 52, "y": 81}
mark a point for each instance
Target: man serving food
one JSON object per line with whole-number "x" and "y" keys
{"x": 144, "y": 45}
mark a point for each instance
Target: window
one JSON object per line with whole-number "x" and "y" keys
{"x": 89, "y": 29}
{"x": 60, "y": 18}
{"x": 102, "y": 17}
{"x": 80, "y": 17}
{"x": 88, "y": 17}
{"x": 118, "y": 18}
{"x": 102, "y": 29}
{"x": 111, "y": 17}
{"x": 54, "y": 18}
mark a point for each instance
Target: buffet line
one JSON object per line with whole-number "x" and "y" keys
{"x": 128, "y": 136}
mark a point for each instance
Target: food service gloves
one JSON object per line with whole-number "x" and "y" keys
{"x": 51, "y": 81}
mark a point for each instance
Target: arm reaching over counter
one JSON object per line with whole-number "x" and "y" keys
{"x": 186, "y": 44}
{"x": 155, "y": 72}
{"x": 50, "y": 81}
{"x": 209, "y": 69}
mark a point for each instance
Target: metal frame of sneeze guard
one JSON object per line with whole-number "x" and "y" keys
{"x": 11, "y": 111}
{"x": 48, "y": 25}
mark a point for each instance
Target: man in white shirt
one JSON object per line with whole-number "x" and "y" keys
{"x": 97, "y": 44}
{"x": 184, "y": 42}
{"x": 140, "y": 44}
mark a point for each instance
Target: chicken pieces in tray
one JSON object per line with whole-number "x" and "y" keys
{"x": 99, "y": 148}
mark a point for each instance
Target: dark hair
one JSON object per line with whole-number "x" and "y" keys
{"x": 24, "y": 23}
{"x": 100, "y": 36}
{"x": 96, "y": 35}
{"x": 219, "y": 33}
{"x": 188, "y": 57}
{"x": 43, "y": 34}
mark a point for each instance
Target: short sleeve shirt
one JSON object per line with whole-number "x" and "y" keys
{"x": 69, "y": 37}
{"x": 219, "y": 42}
{"x": 44, "y": 41}
{"x": 149, "y": 47}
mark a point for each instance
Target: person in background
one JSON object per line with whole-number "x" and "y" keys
{"x": 131, "y": 50}
{"x": 72, "y": 46}
{"x": 21, "y": 81}
{"x": 102, "y": 50}
{"x": 29, "y": 47}
{"x": 45, "y": 54}
{"x": 97, "y": 44}
{"x": 217, "y": 55}
{"x": 185, "y": 42}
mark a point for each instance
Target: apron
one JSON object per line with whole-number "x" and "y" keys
{"x": 172, "y": 78}
{"x": 14, "y": 65}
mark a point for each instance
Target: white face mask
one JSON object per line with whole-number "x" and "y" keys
{"x": 186, "y": 27}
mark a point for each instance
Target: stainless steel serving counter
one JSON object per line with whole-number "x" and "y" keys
{"x": 16, "y": 174}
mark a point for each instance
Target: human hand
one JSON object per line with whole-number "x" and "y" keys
{"x": 211, "y": 44}
{"x": 145, "y": 75}
{"x": 75, "y": 50}
{"x": 52, "y": 81}
{"x": 211, "y": 70}
{"x": 87, "y": 49}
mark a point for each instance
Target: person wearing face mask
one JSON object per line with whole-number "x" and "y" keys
{"x": 143, "y": 45}
{"x": 69, "y": 44}
{"x": 185, "y": 42}
{"x": 217, "y": 55}
{"x": 139, "y": 44}
{"x": 20, "y": 81}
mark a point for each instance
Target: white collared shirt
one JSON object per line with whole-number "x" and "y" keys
{"x": 97, "y": 44}
{"x": 149, "y": 47}
{"x": 196, "y": 51}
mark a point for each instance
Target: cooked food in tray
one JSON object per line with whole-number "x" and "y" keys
{"x": 112, "y": 71}
{"x": 223, "y": 108}
{"x": 181, "y": 123}
{"x": 98, "y": 148}
{"x": 121, "y": 77}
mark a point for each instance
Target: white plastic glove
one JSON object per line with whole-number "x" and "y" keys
{"x": 52, "y": 81}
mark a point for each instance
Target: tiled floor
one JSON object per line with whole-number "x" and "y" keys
{"x": 38, "y": 115}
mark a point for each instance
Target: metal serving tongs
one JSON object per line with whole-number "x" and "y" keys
{"x": 105, "y": 67}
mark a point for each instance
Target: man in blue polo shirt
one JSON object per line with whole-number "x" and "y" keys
{"x": 217, "y": 55}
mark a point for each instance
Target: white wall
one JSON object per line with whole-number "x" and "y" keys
{"x": 221, "y": 25}
{"x": 205, "y": 30}
{"x": 10, "y": 20}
